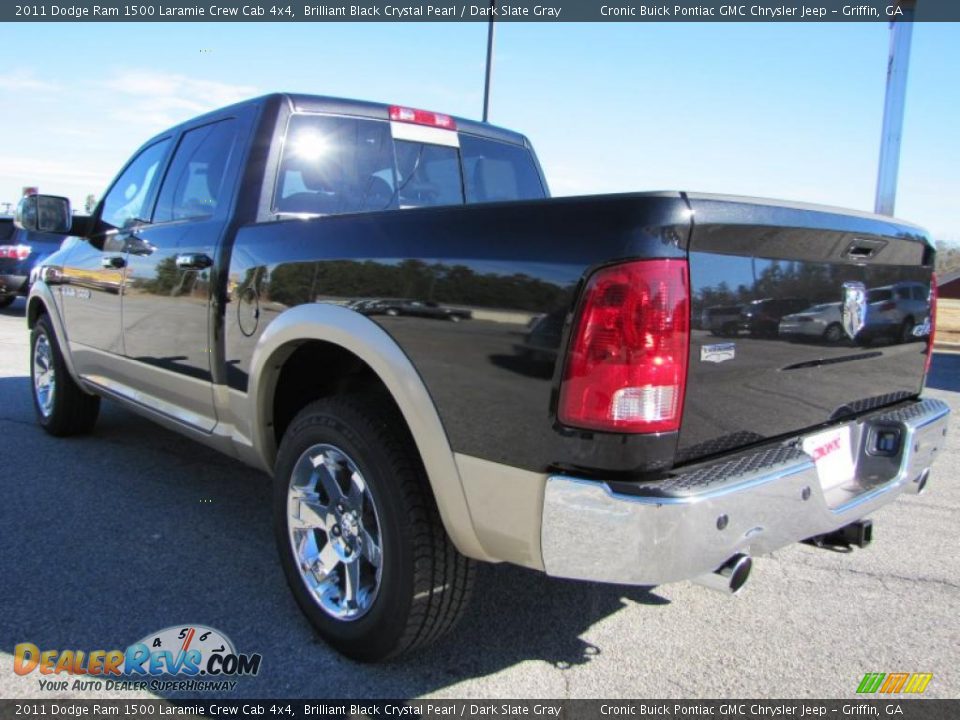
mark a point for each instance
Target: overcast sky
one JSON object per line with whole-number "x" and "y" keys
{"x": 776, "y": 110}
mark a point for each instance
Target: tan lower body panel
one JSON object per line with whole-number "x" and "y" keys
{"x": 506, "y": 505}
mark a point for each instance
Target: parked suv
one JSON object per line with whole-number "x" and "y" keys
{"x": 723, "y": 320}
{"x": 894, "y": 311}
{"x": 21, "y": 251}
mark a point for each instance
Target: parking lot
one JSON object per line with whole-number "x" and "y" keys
{"x": 133, "y": 529}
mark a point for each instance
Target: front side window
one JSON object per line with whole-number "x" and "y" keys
{"x": 336, "y": 165}
{"x": 194, "y": 184}
{"x": 495, "y": 171}
{"x": 124, "y": 205}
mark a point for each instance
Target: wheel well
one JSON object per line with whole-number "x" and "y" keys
{"x": 35, "y": 309}
{"x": 315, "y": 370}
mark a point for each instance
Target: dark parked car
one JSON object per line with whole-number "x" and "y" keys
{"x": 722, "y": 320}
{"x": 20, "y": 252}
{"x": 414, "y": 308}
{"x": 761, "y": 318}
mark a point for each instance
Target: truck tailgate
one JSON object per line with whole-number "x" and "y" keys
{"x": 834, "y": 319}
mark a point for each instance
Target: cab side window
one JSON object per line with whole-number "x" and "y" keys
{"x": 125, "y": 204}
{"x": 194, "y": 185}
{"x": 336, "y": 165}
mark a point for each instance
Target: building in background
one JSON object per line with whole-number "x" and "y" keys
{"x": 948, "y": 285}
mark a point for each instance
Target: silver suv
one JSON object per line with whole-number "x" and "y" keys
{"x": 897, "y": 311}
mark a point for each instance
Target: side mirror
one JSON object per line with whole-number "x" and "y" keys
{"x": 44, "y": 213}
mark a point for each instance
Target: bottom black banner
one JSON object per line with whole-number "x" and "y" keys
{"x": 894, "y": 708}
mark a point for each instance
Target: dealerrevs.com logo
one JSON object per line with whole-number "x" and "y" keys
{"x": 200, "y": 657}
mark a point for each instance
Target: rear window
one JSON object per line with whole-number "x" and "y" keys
{"x": 495, "y": 171}
{"x": 427, "y": 175}
{"x": 332, "y": 165}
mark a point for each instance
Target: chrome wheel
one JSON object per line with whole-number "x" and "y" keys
{"x": 44, "y": 375}
{"x": 334, "y": 532}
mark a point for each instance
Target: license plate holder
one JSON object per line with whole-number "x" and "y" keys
{"x": 832, "y": 454}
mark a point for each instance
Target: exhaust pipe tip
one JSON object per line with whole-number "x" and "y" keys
{"x": 729, "y": 577}
{"x": 737, "y": 570}
{"x": 921, "y": 481}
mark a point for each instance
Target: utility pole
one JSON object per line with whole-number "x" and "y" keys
{"x": 486, "y": 84}
{"x": 901, "y": 31}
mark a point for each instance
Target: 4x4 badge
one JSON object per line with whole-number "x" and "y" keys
{"x": 854, "y": 308}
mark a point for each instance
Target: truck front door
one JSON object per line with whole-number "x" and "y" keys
{"x": 93, "y": 273}
{"x": 168, "y": 298}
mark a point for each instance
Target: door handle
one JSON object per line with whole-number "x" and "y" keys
{"x": 863, "y": 249}
{"x": 193, "y": 261}
{"x": 114, "y": 262}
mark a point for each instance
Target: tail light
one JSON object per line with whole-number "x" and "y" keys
{"x": 626, "y": 368}
{"x": 422, "y": 117}
{"x": 15, "y": 252}
{"x": 933, "y": 323}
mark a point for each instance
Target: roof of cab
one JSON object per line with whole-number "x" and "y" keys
{"x": 360, "y": 108}
{"x": 381, "y": 111}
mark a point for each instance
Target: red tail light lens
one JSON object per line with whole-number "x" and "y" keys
{"x": 16, "y": 252}
{"x": 422, "y": 117}
{"x": 933, "y": 324}
{"x": 626, "y": 369}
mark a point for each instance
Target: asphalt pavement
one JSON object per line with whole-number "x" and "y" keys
{"x": 133, "y": 529}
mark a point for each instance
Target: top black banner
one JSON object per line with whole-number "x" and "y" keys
{"x": 482, "y": 10}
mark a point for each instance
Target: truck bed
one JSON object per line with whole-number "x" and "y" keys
{"x": 517, "y": 270}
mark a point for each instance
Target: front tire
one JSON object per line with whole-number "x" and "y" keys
{"x": 62, "y": 407}
{"x": 359, "y": 535}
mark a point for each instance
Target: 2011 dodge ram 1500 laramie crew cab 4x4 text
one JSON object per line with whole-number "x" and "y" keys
{"x": 439, "y": 364}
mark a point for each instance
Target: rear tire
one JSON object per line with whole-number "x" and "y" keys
{"x": 833, "y": 334}
{"x": 62, "y": 407}
{"x": 420, "y": 585}
{"x": 906, "y": 331}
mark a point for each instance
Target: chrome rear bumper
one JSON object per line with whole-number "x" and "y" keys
{"x": 690, "y": 524}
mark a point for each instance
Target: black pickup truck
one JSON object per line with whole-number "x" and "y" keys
{"x": 229, "y": 286}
